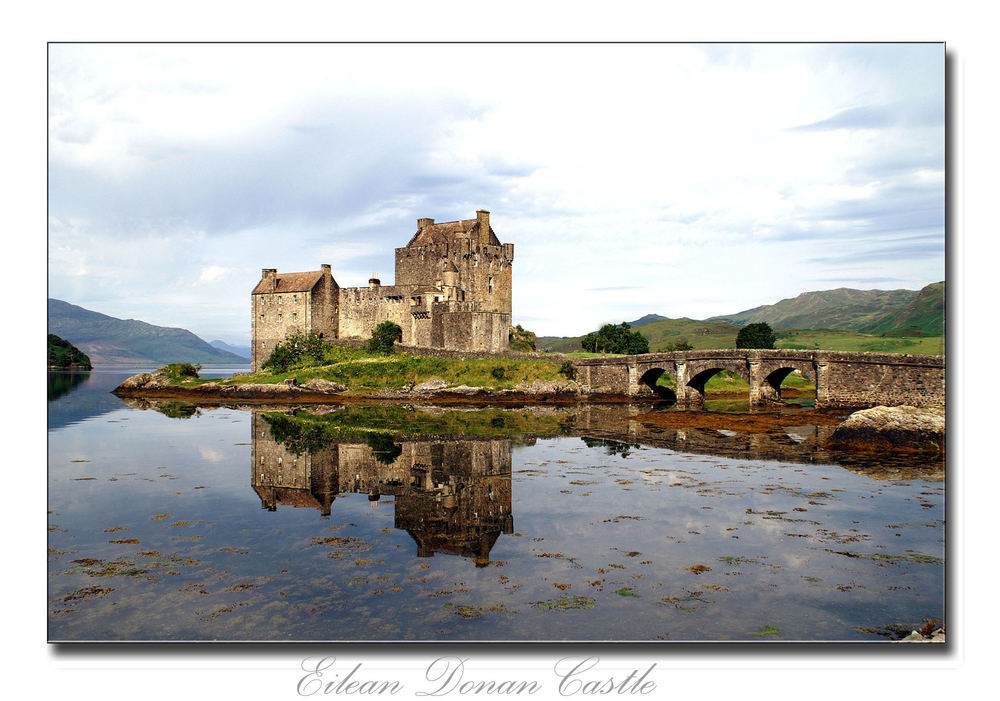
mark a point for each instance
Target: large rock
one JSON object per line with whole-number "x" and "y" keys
{"x": 136, "y": 381}
{"x": 318, "y": 384}
{"x": 885, "y": 428}
{"x": 938, "y": 636}
{"x": 433, "y": 385}
{"x": 546, "y": 387}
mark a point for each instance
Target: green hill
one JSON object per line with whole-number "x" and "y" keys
{"x": 63, "y": 354}
{"x": 109, "y": 340}
{"x": 661, "y": 333}
{"x": 843, "y": 308}
{"x": 925, "y": 313}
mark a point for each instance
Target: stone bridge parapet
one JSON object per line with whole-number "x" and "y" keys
{"x": 842, "y": 379}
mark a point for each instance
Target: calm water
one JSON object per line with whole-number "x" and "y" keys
{"x": 176, "y": 523}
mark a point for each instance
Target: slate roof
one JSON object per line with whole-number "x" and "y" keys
{"x": 291, "y": 282}
{"x": 445, "y": 232}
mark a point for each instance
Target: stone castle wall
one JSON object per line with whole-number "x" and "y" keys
{"x": 453, "y": 293}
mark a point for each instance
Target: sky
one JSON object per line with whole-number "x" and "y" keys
{"x": 676, "y": 179}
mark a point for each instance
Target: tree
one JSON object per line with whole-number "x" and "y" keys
{"x": 615, "y": 339}
{"x": 383, "y": 336}
{"x": 758, "y": 335}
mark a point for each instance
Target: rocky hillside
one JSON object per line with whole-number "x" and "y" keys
{"x": 109, "y": 340}
{"x": 867, "y": 311}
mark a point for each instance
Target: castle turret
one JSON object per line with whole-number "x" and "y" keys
{"x": 449, "y": 276}
{"x": 373, "y": 281}
{"x": 483, "y": 217}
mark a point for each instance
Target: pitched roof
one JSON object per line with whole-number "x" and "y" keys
{"x": 445, "y": 232}
{"x": 291, "y": 282}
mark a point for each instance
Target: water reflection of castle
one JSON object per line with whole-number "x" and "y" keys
{"x": 451, "y": 495}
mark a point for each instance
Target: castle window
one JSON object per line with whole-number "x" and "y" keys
{"x": 294, "y": 315}
{"x": 279, "y": 317}
{"x": 491, "y": 284}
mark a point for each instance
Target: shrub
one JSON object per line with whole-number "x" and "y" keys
{"x": 383, "y": 336}
{"x": 567, "y": 369}
{"x": 681, "y": 344}
{"x": 521, "y": 340}
{"x": 179, "y": 371}
{"x": 498, "y": 372}
{"x": 296, "y": 348}
{"x": 757, "y": 335}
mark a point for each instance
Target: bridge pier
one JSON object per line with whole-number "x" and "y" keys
{"x": 762, "y": 391}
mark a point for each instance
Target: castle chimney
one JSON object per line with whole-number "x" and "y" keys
{"x": 269, "y": 276}
{"x": 483, "y": 217}
{"x": 373, "y": 281}
{"x": 325, "y": 268}
{"x": 424, "y": 223}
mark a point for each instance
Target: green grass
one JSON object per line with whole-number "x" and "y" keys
{"x": 831, "y": 339}
{"x": 364, "y": 371}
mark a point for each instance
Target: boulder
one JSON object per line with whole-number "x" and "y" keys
{"x": 318, "y": 384}
{"x": 136, "y": 381}
{"x": 886, "y": 428}
{"x": 938, "y": 636}
{"x": 550, "y": 387}
{"x": 465, "y": 390}
{"x": 433, "y": 385}
{"x": 253, "y": 388}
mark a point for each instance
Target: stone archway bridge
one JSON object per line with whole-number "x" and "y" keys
{"x": 842, "y": 379}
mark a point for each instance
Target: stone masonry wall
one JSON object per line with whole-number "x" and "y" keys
{"x": 850, "y": 380}
{"x": 869, "y": 379}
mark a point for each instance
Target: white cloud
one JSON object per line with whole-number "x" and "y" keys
{"x": 684, "y": 172}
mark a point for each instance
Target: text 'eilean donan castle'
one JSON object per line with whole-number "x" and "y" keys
{"x": 452, "y": 291}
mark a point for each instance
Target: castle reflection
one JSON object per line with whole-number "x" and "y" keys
{"x": 452, "y": 495}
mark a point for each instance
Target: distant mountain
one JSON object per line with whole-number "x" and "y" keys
{"x": 242, "y": 351}
{"x": 646, "y": 319}
{"x": 869, "y": 311}
{"x": 109, "y": 340}
{"x": 897, "y": 313}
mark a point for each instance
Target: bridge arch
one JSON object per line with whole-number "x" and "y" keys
{"x": 651, "y": 378}
{"x": 698, "y": 372}
{"x": 772, "y": 372}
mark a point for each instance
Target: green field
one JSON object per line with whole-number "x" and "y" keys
{"x": 710, "y": 335}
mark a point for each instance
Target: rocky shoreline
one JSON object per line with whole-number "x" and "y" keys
{"x": 320, "y": 391}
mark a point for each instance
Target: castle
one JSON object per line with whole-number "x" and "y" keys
{"x": 452, "y": 291}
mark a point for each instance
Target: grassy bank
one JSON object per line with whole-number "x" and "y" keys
{"x": 364, "y": 372}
